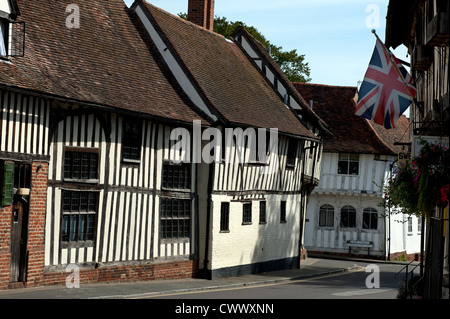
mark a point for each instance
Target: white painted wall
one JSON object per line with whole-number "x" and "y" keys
{"x": 359, "y": 191}
{"x": 248, "y": 244}
{"x": 371, "y": 177}
{"x": 403, "y": 240}
{"x": 5, "y": 6}
{"x": 334, "y": 239}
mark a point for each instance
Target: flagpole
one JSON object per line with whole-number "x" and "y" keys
{"x": 394, "y": 64}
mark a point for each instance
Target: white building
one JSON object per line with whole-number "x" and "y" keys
{"x": 345, "y": 213}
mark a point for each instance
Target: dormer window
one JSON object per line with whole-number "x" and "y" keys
{"x": 12, "y": 33}
{"x": 3, "y": 37}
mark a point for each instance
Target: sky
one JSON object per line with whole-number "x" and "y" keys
{"x": 334, "y": 35}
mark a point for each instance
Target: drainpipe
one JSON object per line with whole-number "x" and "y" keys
{"x": 301, "y": 209}
{"x": 302, "y": 196}
{"x": 208, "y": 222}
{"x": 389, "y": 216}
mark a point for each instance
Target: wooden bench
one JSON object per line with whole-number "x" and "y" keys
{"x": 359, "y": 244}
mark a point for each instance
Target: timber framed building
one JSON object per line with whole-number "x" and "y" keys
{"x": 346, "y": 213}
{"x": 423, "y": 27}
{"x": 87, "y": 108}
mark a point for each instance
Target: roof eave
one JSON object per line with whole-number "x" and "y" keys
{"x": 398, "y": 22}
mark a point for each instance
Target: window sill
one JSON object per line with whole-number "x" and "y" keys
{"x": 182, "y": 190}
{"x": 85, "y": 181}
{"x": 174, "y": 240}
{"x": 247, "y": 223}
{"x": 126, "y": 161}
{"x": 77, "y": 244}
{"x": 224, "y": 231}
{"x": 256, "y": 163}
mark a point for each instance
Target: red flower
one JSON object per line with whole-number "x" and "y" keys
{"x": 444, "y": 194}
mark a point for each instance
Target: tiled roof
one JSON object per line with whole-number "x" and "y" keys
{"x": 351, "y": 133}
{"x": 399, "y": 134}
{"x": 229, "y": 81}
{"x": 104, "y": 62}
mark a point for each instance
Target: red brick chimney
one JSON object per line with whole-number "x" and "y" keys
{"x": 201, "y": 12}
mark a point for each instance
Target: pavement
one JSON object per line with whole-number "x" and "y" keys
{"x": 311, "y": 267}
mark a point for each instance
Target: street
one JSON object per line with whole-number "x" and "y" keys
{"x": 347, "y": 285}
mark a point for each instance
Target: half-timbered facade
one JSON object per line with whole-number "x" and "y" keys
{"x": 248, "y": 220}
{"x": 423, "y": 27}
{"x": 346, "y": 213}
{"x": 85, "y": 173}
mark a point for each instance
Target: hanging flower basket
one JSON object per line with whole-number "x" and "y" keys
{"x": 422, "y": 184}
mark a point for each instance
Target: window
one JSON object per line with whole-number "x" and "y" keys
{"x": 291, "y": 152}
{"x": 409, "y": 225}
{"x": 6, "y": 183}
{"x": 81, "y": 165}
{"x": 247, "y": 213}
{"x": 12, "y": 38}
{"x": 79, "y": 215}
{"x": 370, "y": 218}
{"x": 348, "y": 164}
{"x": 326, "y": 216}
{"x": 132, "y": 135}
{"x": 283, "y": 211}
{"x": 3, "y": 37}
{"x": 348, "y": 217}
{"x": 14, "y": 177}
{"x": 262, "y": 212}
{"x": 259, "y": 147}
{"x": 175, "y": 220}
{"x": 419, "y": 224}
{"x": 225, "y": 217}
{"x": 176, "y": 176}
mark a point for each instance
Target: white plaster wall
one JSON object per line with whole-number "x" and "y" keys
{"x": 402, "y": 240}
{"x": 334, "y": 239}
{"x": 371, "y": 175}
{"x": 4, "y": 6}
{"x": 248, "y": 244}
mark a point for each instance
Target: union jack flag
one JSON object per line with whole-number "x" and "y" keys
{"x": 387, "y": 90}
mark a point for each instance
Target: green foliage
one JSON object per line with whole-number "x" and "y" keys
{"x": 290, "y": 62}
{"x": 423, "y": 184}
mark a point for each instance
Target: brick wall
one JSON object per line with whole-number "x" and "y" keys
{"x": 36, "y": 225}
{"x": 129, "y": 273}
{"x": 201, "y": 12}
{"x": 5, "y": 255}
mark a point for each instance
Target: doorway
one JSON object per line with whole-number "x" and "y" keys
{"x": 19, "y": 236}
{"x": 19, "y": 222}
